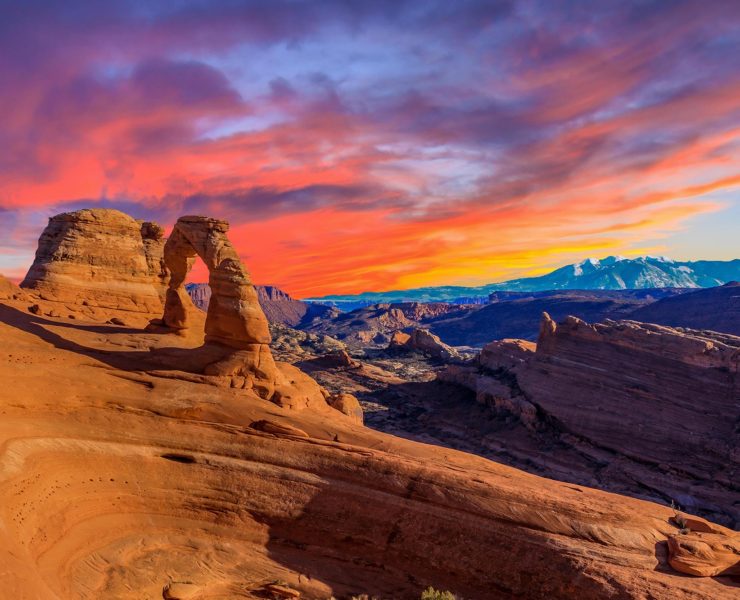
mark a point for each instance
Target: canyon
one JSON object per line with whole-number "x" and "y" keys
{"x": 149, "y": 449}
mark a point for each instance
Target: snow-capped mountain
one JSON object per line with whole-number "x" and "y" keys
{"x": 610, "y": 273}
{"x": 619, "y": 273}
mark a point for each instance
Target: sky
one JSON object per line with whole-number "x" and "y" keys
{"x": 381, "y": 145}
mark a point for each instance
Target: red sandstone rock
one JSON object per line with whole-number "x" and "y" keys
{"x": 10, "y": 291}
{"x": 347, "y": 404}
{"x": 97, "y": 261}
{"x": 705, "y": 554}
{"x": 652, "y": 394}
{"x": 398, "y": 338}
{"x": 506, "y": 353}
{"x": 278, "y": 428}
{"x": 425, "y": 341}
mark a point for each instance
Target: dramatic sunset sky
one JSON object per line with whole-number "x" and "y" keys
{"x": 378, "y": 145}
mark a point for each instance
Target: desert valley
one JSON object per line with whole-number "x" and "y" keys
{"x": 151, "y": 449}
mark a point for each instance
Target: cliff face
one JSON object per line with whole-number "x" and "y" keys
{"x": 675, "y": 392}
{"x": 97, "y": 260}
{"x": 653, "y": 407}
{"x": 717, "y": 309}
{"x": 653, "y": 393}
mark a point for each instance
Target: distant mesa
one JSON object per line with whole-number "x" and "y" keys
{"x": 717, "y": 309}
{"x": 279, "y": 307}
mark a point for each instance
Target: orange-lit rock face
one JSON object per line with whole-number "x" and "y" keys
{"x": 99, "y": 260}
{"x": 10, "y": 291}
{"x": 234, "y": 315}
{"x": 236, "y": 353}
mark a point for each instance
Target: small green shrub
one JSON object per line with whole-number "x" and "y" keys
{"x": 678, "y": 519}
{"x": 431, "y": 594}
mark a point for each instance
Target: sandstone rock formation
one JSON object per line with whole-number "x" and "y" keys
{"x": 651, "y": 405}
{"x": 236, "y": 352}
{"x": 128, "y": 482}
{"x": 506, "y": 353}
{"x": 422, "y": 340}
{"x": 347, "y": 404}
{"x": 10, "y": 291}
{"x": 398, "y": 338}
{"x": 704, "y": 554}
{"x": 101, "y": 263}
{"x": 234, "y": 317}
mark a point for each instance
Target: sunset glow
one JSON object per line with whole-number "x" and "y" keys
{"x": 361, "y": 146}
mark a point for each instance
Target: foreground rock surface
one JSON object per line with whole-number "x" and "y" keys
{"x": 133, "y": 477}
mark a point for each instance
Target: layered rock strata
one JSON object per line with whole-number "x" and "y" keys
{"x": 99, "y": 262}
{"x": 655, "y": 406}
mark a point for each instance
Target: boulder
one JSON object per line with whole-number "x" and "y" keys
{"x": 506, "y": 353}
{"x": 423, "y": 340}
{"x": 339, "y": 359}
{"x": 705, "y": 554}
{"x": 347, "y": 404}
{"x": 398, "y": 338}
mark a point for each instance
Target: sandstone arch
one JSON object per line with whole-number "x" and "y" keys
{"x": 236, "y": 352}
{"x": 234, "y": 316}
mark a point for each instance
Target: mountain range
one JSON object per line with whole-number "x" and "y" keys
{"x": 610, "y": 273}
